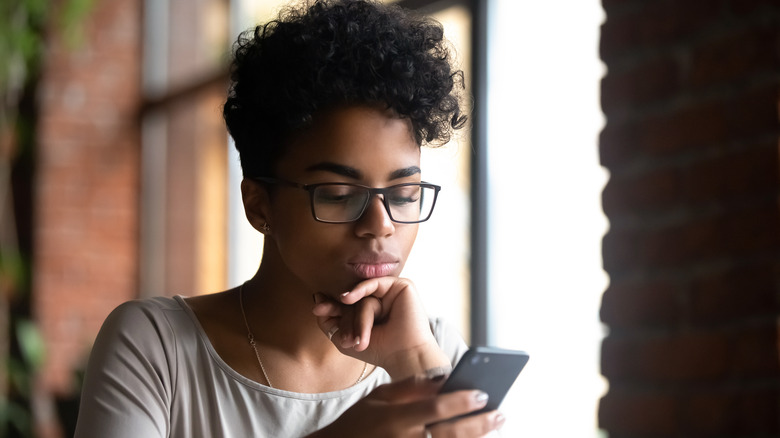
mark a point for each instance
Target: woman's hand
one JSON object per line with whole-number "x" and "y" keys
{"x": 382, "y": 321}
{"x": 404, "y": 408}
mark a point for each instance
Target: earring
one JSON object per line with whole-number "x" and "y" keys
{"x": 265, "y": 228}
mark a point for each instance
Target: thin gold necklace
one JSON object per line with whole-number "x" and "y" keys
{"x": 254, "y": 344}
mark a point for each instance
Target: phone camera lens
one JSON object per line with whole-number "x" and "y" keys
{"x": 475, "y": 360}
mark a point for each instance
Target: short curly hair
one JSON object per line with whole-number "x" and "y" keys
{"x": 327, "y": 53}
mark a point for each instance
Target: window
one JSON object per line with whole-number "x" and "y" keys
{"x": 546, "y": 223}
{"x": 183, "y": 142}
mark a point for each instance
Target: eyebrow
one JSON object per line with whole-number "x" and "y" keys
{"x": 405, "y": 172}
{"x": 351, "y": 172}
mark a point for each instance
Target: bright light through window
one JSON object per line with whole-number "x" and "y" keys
{"x": 546, "y": 223}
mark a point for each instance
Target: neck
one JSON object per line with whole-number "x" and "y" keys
{"x": 295, "y": 354}
{"x": 278, "y": 308}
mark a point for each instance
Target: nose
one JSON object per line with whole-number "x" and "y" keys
{"x": 375, "y": 221}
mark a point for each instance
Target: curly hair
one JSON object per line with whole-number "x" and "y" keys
{"x": 334, "y": 52}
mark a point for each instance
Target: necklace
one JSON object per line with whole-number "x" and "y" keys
{"x": 254, "y": 344}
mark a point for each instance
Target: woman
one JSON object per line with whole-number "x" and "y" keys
{"x": 328, "y": 107}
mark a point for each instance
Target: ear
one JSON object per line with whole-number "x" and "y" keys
{"x": 256, "y": 204}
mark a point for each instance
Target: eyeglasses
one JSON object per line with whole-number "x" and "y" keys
{"x": 339, "y": 203}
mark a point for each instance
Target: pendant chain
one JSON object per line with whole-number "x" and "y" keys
{"x": 252, "y": 343}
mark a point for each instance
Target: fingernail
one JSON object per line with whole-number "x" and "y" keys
{"x": 345, "y": 293}
{"x": 481, "y": 398}
{"x": 499, "y": 420}
{"x": 317, "y": 298}
{"x": 437, "y": 378}
{"x": 357, "y": 341}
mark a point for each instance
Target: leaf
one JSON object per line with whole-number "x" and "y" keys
{"x": 31, "y": 343}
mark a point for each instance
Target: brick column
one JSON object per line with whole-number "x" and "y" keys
{"x": 693, "y": 251}
{"x": 86, "y": 191}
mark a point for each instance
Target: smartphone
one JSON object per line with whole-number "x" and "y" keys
{"x": 492, "y": 370}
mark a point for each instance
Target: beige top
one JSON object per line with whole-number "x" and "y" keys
{"x": 154, "y": 373}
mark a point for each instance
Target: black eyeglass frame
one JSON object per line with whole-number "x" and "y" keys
{"x": 371, "y": 193}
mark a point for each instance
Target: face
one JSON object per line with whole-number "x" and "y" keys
{"x": 360, "y": 145}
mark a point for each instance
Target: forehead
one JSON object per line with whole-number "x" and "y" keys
{"x": 365, "y": 138}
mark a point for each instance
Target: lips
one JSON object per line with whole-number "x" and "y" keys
{"x": 373, "y": 265}
{"x": 372, "y": 270}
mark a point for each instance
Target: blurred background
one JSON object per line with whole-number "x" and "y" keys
{"x": 612, "y": 209}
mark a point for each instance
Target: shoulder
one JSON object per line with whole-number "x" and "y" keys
{"x": 155, "y": 312}
{"x": 131, "y": 374}
{"x": 146, "y": 306}
{"x": 145, "y": 324}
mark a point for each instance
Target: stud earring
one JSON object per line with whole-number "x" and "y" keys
{"x": 265, "y": 228}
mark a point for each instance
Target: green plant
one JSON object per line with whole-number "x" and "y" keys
{"x": 25, "y": 28}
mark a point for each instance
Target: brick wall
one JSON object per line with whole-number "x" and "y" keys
{"x": 693, "y": 251}
{"x": 86, "y": 197}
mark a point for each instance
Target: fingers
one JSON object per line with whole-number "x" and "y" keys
{"x": 347, "y": 326}
{"x": 445, "y": 407}
{"x": 368, "y": 310}
{"x": 415, "y": 401}
{"x": 383, "y": 288}
{"x": 474, "y": 425}
{"x": 329, "y": 315}
{"x": 323, "y": 306}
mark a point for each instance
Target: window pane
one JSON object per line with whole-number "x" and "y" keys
{"x": 545, "y": 215}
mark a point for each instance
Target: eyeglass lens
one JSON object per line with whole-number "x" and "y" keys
{"x": 346, "y": 203}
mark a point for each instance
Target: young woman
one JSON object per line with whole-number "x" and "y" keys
{"x": 328, "y": 107}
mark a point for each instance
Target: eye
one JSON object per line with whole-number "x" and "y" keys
{"x": 336, "y": 194}
{"x": 404, "y": 195}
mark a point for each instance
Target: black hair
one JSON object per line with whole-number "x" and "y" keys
{"x": 327, "y": 53}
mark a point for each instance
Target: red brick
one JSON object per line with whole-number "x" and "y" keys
{"x": 652, "y": 80}
{"x": 87, "y": 199}
{"x": 618, "y": 144}
{"x": 694, "y": 218}
{"x": 737, "y": 232}
{"x": 710, "y": 413}
{"x": 679, "y": 244}
{"x": 641, "y": 304}
{"x": 695, "y": 126}
{"x": 654, "y": 24}
{"x": 736, "y": 293}
{"x": 745, "y": 172}
{"x": 730, "y": 412}
{"x": 752, "y": 230}
{"x": 678, "y": 357}
{"x": 746, "y": 7}
{"x": 638, "y": 414}
{"x": 735, "y": 56}
{"x": 754, "y": 113}
{"x": 646, "y": 193}
{"x": 755, "y": 351}
{"x": 758, "y": 412}
{"x": 636, "y": 248}
{"x": 622, "y": 249}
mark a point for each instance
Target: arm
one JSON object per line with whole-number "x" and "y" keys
{"x": 128, "y": 382}
{"x": 382, "y": 321}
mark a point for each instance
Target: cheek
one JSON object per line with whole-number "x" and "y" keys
{"x": 407, "y": 234}
{"x": 312, "y": 252}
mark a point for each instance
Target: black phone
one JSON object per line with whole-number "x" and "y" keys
{"x": 492, "y": 370}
